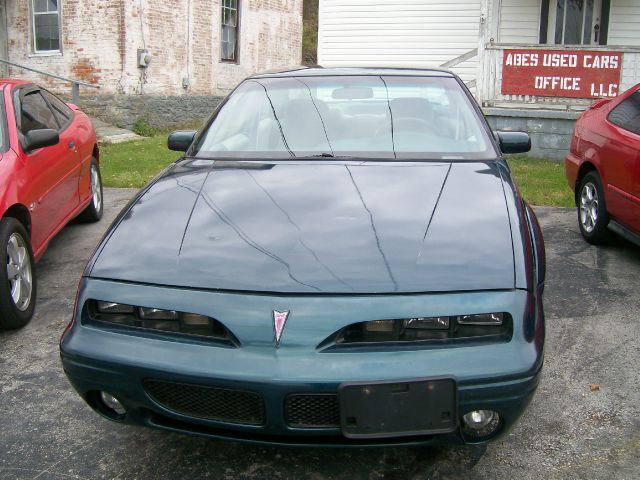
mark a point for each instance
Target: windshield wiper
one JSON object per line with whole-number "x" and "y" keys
{"x": 325, "y": 155}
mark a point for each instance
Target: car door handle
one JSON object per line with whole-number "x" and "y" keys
{"x": 72, "y": 144}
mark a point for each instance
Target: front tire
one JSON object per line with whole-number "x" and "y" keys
{"x": 17, "y": 275}
{"x": 93, "y": 212}
{"x": 592, "y": 211}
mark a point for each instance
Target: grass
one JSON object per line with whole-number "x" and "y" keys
{"x": 541, "y": 181}
{"x": 133, "y": 164}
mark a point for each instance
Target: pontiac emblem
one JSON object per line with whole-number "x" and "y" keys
{"x": 279, "y": 319}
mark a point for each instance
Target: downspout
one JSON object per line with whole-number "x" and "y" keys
{"x": 4, "y": 42}
{"x": 186, "y": 81}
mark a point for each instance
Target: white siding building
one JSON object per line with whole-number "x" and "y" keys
{"x": 399, "y": 34}
{"x": 473, "y": 39}
{"x": 469, "y": 36}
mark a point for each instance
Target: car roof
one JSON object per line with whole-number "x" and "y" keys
{"x": 318, "y": 71}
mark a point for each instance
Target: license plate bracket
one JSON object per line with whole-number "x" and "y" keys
{"x": 393, "y": 409}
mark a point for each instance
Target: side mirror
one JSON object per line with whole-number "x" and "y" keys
{"x": 514, "y": 142}
{"x": 44, "y": 137}
{"x": 180, "y": 140}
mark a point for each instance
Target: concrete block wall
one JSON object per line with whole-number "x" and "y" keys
{"x": 161, "y": 111}
{"x": 550, "y": 130}
{"x": 100, "y": 41}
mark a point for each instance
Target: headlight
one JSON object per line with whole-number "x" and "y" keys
{"x": 156, "y": 319}
{"x": 488, "y": 326}
{"x": 157, "y": 314}
{"x": 110, "y": 307}
{"x": 427, "y": 323}
{"x": 481, "y": 319}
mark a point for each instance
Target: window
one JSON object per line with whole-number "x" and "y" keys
{"x": 627, "y": 114}
{"x": 35, "y": 113}
{"x": 229, "y": 31}
{"x": 46, "y": 25}
{"x": 574, "y": 22}
{"x": 60, "y": 109}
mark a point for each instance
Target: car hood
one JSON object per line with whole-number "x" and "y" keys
{"x": 316, "y": 227}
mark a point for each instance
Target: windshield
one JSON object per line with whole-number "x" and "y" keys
{"x": 359, "y": 116}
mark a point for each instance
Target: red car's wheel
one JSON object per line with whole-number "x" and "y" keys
{"x": 93, "y": 212}
{"x": 592, "y": 211}
{"x": 17, "y": 277}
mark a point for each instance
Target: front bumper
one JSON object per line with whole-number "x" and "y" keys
{"x": 500, "y": 377}
{"x": 571, "y": 167}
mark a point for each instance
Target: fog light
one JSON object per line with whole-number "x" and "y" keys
{"x": 112, "y": 403}
{"x": 481, "y": 423}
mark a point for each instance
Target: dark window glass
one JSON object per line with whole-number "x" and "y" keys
{"x": 559, "y": 21}
{"x": 627, "y": 114}
{"x": 588, "y": 20}
{"x": 46, "y": 25}
{"x": 35, "y": 113}
{"x": 574, "y": 20}
{"x": 229, "y": 31}
{"x": 60, "y": 109}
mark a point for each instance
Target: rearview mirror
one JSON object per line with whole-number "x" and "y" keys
{"x": 180, "y": 140}
{"x": 44, "y": 137}
{"x": 352, "y": 93}
{"x": 514, "y": 142}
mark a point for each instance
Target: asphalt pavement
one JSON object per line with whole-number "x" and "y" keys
{"x": 584, "y": 421}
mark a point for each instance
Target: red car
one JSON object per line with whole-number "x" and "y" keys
{"x": 49, "y": 174}
{"x": 603, "y": 168}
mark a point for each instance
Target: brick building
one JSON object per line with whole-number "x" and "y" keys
{"x": 149, "y": 48}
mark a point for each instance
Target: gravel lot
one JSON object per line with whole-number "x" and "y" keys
{"x": 584, "y": 421}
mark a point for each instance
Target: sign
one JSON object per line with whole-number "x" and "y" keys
{"x": 561, "y": 73}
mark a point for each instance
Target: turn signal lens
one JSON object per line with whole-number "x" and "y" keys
{"x": 157, "y": 314}
{"x": 111, "y": 307}
{"x": 379, "y": 326}
{"x": 194, "y": 319}
{"x": 481, "y": 319}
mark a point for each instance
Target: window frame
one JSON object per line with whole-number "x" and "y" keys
{"x": 18, "y": 95}
{"x": 33, "y": 14}
{"x": 69, "y": 115}
{"x": 4, "y": 125}
{"x": 236, "y": 50}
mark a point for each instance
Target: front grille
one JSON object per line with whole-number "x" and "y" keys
{"x": 312, "y": 410}
{"x": 211, "y": 403}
